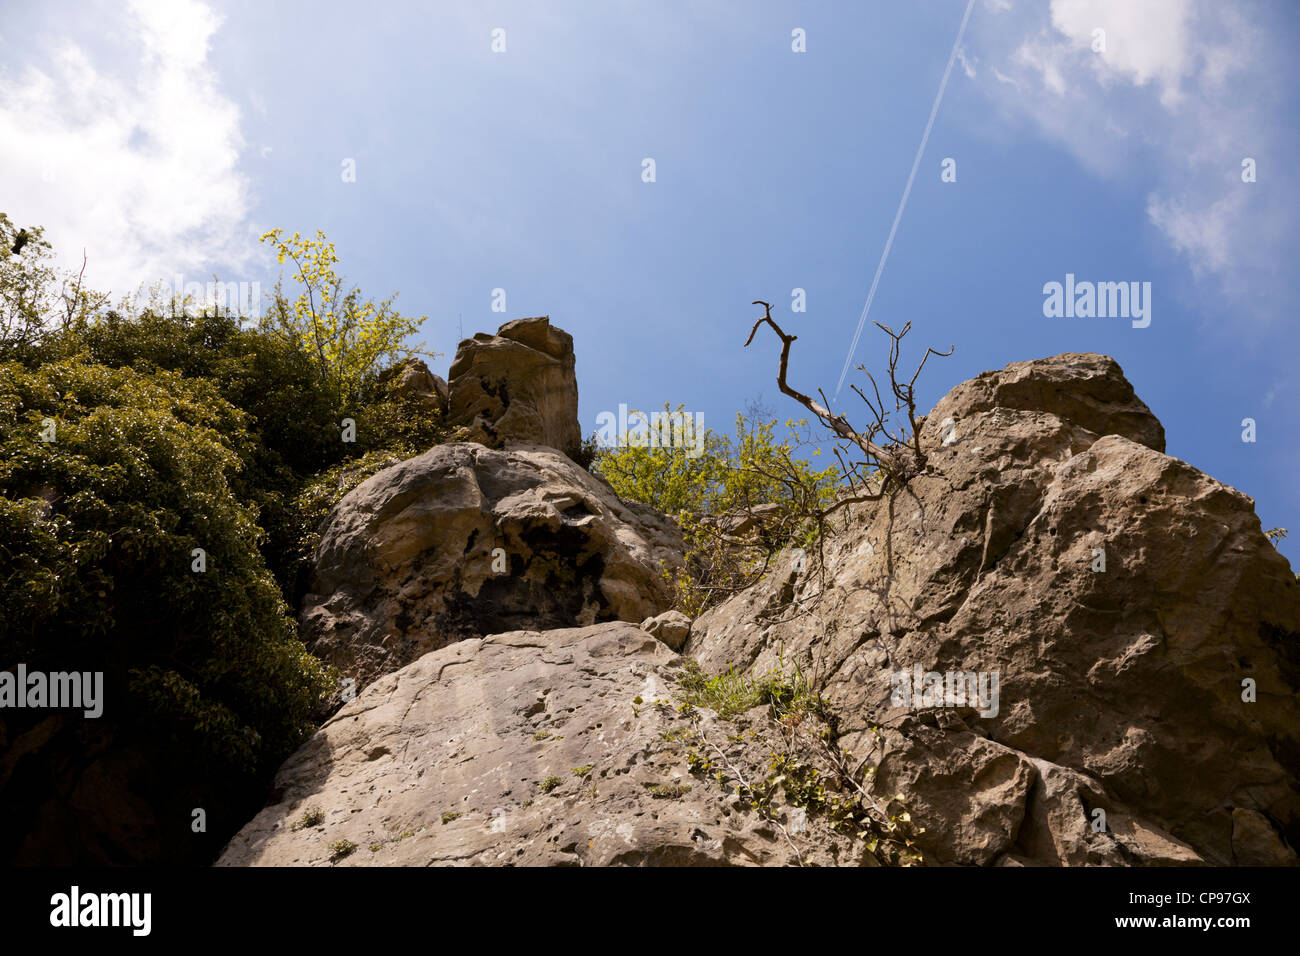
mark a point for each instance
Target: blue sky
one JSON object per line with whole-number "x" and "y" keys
{"x": 164, "y": 137}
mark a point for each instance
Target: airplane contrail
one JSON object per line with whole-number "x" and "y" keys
{"x": 934, "y": 111}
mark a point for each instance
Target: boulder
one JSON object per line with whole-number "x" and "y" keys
{"x": 555, "y": 748}
{"x": 671, "y": 627}
{"x": 1129, "y": 604}
{"x": 464, "y": 541}
{"x": 1087, "y": 389}
{"x": 516, "y": 386}
{"x": 412, "y": 379}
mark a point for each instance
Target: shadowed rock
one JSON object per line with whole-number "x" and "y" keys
{"x": 464, "y": 541}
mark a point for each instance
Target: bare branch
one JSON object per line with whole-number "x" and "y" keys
{"x": 69, "y": 305}
{"x": 836, "y": 423}
{"x": 890, "y": 465}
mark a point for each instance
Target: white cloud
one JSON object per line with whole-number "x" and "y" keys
{"x": 137, "y": 162}
{"x": 1139, "y": 42}
{"x": 967, "y": 64}
{"x": 1043, "y": 58}
{"x": 1172, "y": 93}
{"x": 1203, "y": 233}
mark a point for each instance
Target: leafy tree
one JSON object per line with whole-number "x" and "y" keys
{"x": 34, "y": 297}
{"x": 293, "y": 418}
{"x": 744, "y": 498}
{"x": 350, "y": 337}
{"x": 177, "y": 427}
{"x": 268, "y": 376}
{"x": 669, "y": 479}
{"x": 98, "y": 531}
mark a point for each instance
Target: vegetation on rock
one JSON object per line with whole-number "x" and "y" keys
{"x": 163, "y": 470}
{"x": 717, "y": 496}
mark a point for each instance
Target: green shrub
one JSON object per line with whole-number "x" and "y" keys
{"x": 35, "y": 297}
{"x": 97, "y": 533}
{"x": 294, "y": 465}
{"x": 312, "y": 817}
{"x": 732, "y": 693}
{"x": 265, "y": 374}
{"x": 732, "y": 476}
{"x": 340, "y": 849}
{"x": 350, "y": 338}
{"x": 178, "y": 427}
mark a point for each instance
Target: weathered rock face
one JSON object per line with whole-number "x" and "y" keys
{"x": 524, "y": 748}
{"x": 1085, "y": 389}
{"x": 1144, "y": 636}
{"x": 671, "y": 627}
{"x": 517, "y": 386}
{"x": 412, "y": 379}
{"x": 464, "y": 541}
{"x": 1121, "y": 597}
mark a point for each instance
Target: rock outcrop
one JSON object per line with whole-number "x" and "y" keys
{"x": 1143, "y": 633}
{"x": 671, "y": 627}
{"x": 527, "y": 748}
{"x": 1126, "y": 601}
{"x": 465, "y": 541}
{"x": 412, "y": 379}
{"x": 517, "y": 386}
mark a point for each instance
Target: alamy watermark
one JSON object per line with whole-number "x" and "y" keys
{"x": 635, "y": 429}
{"x": 1101, "y": 300}
{"x": 57, "y": 690}
{"x": 77, "y": 909}
{"x": 918, "y": 688}
{"x": 237, "y": 298}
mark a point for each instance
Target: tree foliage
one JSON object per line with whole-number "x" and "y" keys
{"x": 34, "y": 296}
{"x": 98, "y": 529}
{"x": 179, "y": 427}
{"x": 739, "y": 502}
{"x": 350, "y": 337}
{"x": 292, "y": 416}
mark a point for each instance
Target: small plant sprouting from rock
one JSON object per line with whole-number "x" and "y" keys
{"x": 583, "y": 770}
{"x": 668, "y": 791}
{"x": 542, "y": 735}
{"x": 698, "y": 762}
{"x": 805, "y": 768}
{"x": 731, "y": 693}
{"x": 549, "y": 784}
{"x": 340, "y": 849}
{"x": 312, "y": 817}
{"x": 452, "y": 815}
